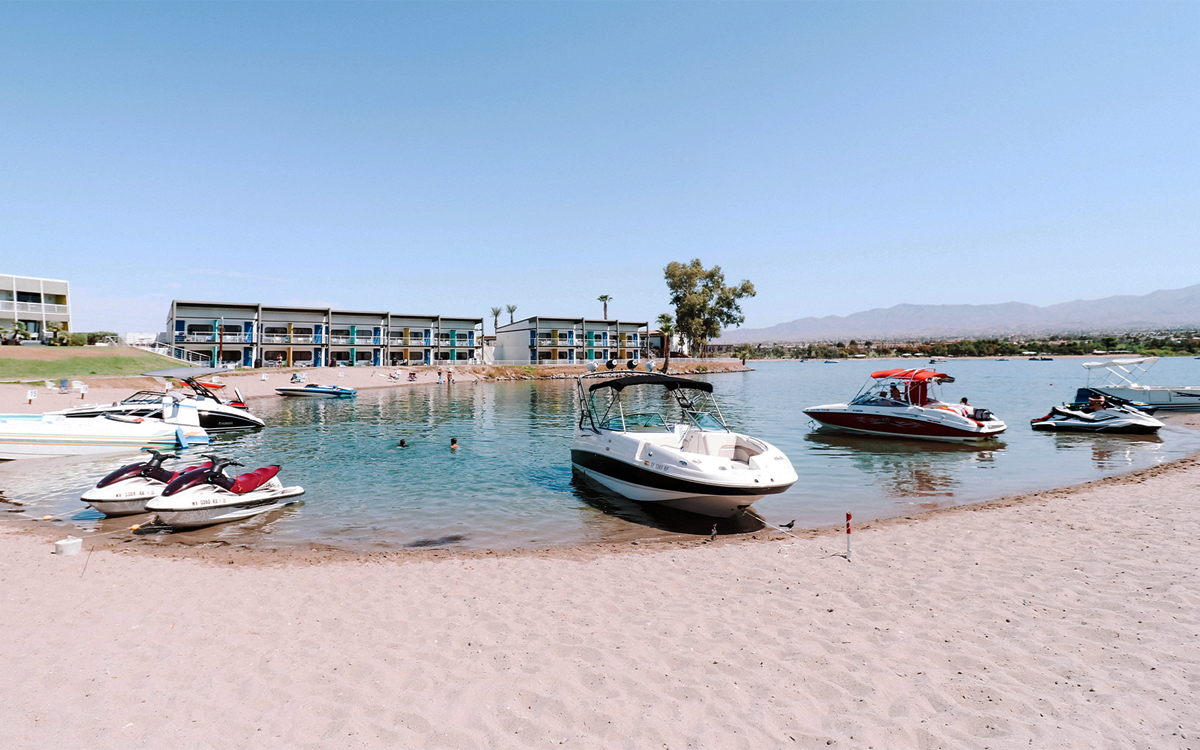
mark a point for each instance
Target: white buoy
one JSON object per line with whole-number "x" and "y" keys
{"x": 68, "y": 546}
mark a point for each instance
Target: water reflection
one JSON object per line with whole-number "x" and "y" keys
{"x": 906, "y": 468}
{"x": 1109, "y": 452}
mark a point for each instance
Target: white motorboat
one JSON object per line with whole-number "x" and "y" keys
{"x": 48, "y": 435}
{"x": 691, "y": 462}
{"x": 313, "y": 390}
{"x": 215, "y": 415}
{"x": 1118, "y": 378}
{"x": 207, "y": 496}
{"x": 904, "y": 403}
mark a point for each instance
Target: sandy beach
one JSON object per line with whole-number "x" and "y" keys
{"x": 1060, "y": 619}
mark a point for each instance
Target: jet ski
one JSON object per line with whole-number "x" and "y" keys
{"x": 1113, "y": 419}
{"x": 208, "y": 496}
{"x": 126, "y": 490}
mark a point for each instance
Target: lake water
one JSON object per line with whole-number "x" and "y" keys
{"x": 511, "y": 484}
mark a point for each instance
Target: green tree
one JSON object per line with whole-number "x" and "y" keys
{"x": 704, "y": 305}
{"x": 744, "y": 352}
{"x": 666, "y": 324}
{"x": 605, "y": 299}
{"x": 511, "y": 309}
{"x": 495, "y": 319}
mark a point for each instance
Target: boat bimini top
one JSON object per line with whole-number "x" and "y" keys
{"x": 1120, "y": 372}
{"x": 694, "y": 398}
{"x": 901, "y": 387}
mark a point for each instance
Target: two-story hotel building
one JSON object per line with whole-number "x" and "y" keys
{"x": 256, "y": 334}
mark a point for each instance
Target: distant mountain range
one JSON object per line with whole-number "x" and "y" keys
{"x": 1171, "y": 308}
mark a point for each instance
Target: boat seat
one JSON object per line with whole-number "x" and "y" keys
{"x": 252, "y": 480}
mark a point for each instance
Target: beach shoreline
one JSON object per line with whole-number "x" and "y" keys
{"x": 1064, "y": 618}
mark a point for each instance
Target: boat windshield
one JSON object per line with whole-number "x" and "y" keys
{"x": 898, "y": 392}
{"x": 144, "y": 397}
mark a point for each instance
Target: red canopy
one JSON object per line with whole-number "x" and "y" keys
{"x": 918, "y": 375}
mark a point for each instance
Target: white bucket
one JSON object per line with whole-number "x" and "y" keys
{"x": 68, "y": 546}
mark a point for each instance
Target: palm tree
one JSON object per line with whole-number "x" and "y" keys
{"x": 605, "y": 299}
{"x": 495, "y": 320}
{"x": 744, "y": 351}
{"x": 666, "y": 324}
{"x": 511, "y": 309}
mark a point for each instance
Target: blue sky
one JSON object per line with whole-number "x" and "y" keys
{"x": 447, "y": 158}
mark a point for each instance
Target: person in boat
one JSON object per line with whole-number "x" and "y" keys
{"x": 895, "y": 394}
{"x": 1096, "y": 403}
{"x": 966, "y": 407}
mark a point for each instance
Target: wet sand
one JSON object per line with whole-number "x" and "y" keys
{"x": 1059, "y": 619}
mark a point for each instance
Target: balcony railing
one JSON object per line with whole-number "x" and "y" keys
{"x": 366, "y": 340}
{"x": 205, "y": 338}
{"x": 339, "y": 340}
{"x": 410, "y": 341}
{"x": 33, "y": 307}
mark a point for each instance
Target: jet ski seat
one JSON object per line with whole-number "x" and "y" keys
{"x": 252, "y": 480}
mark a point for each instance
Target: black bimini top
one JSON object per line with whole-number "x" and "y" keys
{"x": 667, "y": 381}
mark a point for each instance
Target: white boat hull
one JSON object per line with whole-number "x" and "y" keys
{"x": 205, "y": 505}
{"x": 124, "y": 498}
{"x": 48, "y": 436}
{"x": 1159, "y": 397}
{"x": 912, "y": 422}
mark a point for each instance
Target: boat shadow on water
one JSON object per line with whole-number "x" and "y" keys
{"x": 657, "y": 516}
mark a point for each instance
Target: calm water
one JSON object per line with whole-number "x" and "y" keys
{"x": 511, "y": 484}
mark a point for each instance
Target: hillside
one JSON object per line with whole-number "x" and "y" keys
{"x": 1172, "y": 308}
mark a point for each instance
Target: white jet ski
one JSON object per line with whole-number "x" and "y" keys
{"x": 1111, "y": 419}
{"x": 208, "y": 496}
{"x": 128, "y": 489}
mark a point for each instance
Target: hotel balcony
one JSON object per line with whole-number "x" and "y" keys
{"x": 368, "y": 340}
{"x": 410, "y": 341}
{"x": 33, "y": 307}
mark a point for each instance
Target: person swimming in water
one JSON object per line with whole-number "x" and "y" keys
{"x": 454, "y": 444}
{"x": 403, "y": 444}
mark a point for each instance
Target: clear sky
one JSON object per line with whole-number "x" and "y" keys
{"x": 450, "y": 157}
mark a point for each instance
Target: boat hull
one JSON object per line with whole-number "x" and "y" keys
{"x": 193, "y": 515}
{"x": 1158, "y": 397}
{"x": 124, "y": 498}
{"x": 23, "y": 436}
{"x": 887, "y": 425}
{"x": 636, "y": 482}
{"x": 1127, "y": 429}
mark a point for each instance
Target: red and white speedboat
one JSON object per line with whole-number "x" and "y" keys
{"x": 904, "y": 403}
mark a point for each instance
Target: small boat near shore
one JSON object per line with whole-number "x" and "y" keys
{"x": 127, "y": 490}
{"x": 207, "y": 495}
{"x": 312, "y": 390}
{"x": 903, "y": 403}
{"x": 691, "y": 462}
{"x": 1118, "y": 379}
{"x": 1111, "y": 419}
{"x": 50, "y": 435}
{"x": 215, "y": 415}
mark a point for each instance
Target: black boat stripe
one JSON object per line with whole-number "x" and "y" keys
{"x": 624, "y": 472}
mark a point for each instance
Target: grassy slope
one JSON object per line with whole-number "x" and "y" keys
{"x": 53, "y": 363}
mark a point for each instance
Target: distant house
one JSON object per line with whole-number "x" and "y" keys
{"x": 42, "y": 305}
